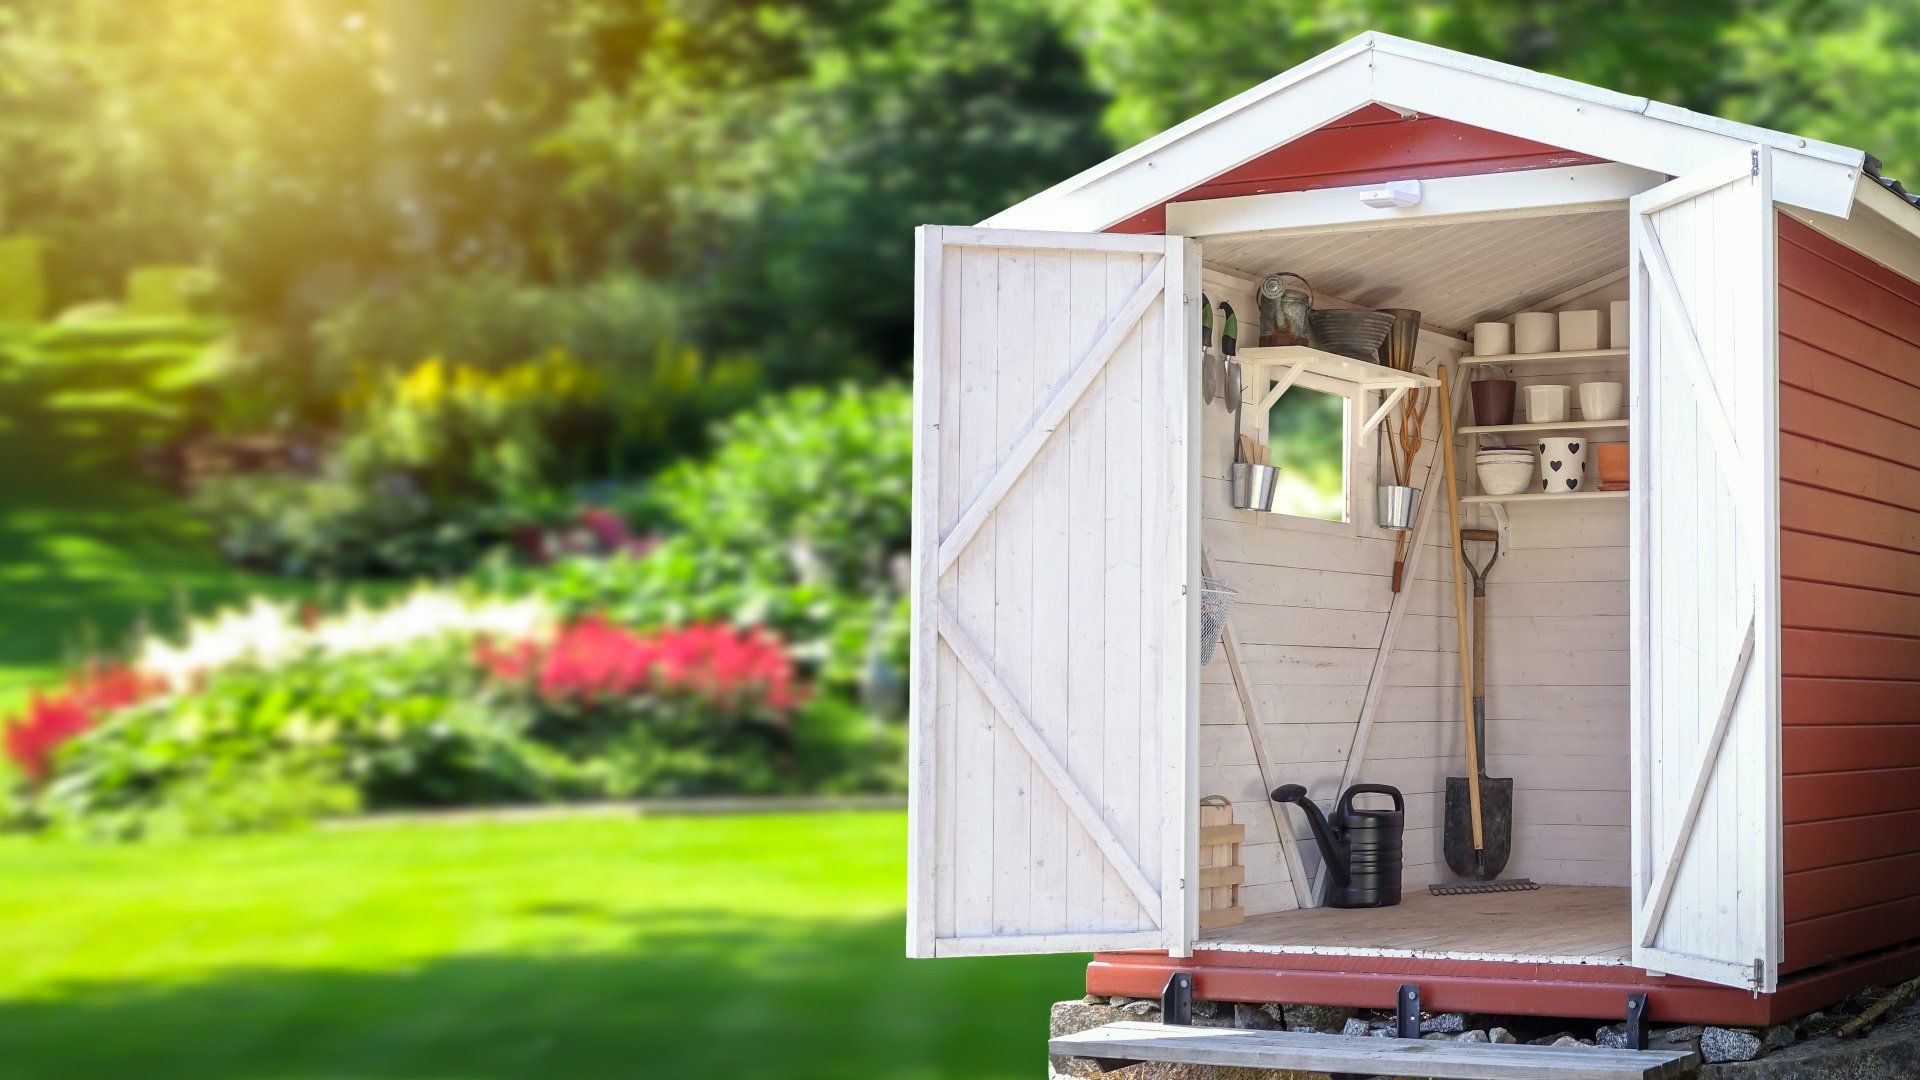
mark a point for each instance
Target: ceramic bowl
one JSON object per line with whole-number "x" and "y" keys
{"x": 1504, "y": 470}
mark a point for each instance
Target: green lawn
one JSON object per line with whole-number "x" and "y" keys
{"x": 661, "y": 947}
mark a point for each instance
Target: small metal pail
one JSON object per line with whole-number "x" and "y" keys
{"x": 1253, "y": 486}
{"x": 1396, "y": 506}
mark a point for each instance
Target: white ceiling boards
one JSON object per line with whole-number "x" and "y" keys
{"x": 1454, "y": 274}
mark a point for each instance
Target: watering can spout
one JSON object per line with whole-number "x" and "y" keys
{"x": 1333, "y": 847}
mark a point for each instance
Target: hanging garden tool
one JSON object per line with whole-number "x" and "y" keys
{"x": 1413, "y": 422}
{"x": 1398, "y": 501}
{"x": 1254, "y": 480}
{"x": 1213, "y": 377}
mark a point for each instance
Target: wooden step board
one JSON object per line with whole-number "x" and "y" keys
{"x": 1129, "y": 1042}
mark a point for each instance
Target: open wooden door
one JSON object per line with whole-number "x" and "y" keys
{"x": 1055, "y": 593}
{"x": 1705, "y": 567}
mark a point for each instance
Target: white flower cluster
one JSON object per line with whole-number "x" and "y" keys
{"x": 268, "y": 634}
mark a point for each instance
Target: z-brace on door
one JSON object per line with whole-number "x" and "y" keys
{"x": 1705, "y": 558}
{"x": 1055, "y": 592}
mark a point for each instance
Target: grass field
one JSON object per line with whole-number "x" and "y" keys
{"x": 759, "y": 946}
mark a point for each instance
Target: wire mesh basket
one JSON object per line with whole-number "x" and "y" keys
{"x": 1216, "y": 603}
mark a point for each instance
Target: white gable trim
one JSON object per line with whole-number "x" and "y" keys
{"x": 1409, "y": 76}
{"x": 1531, "y": 192}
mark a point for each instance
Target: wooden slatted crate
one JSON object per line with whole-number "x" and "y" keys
{"x": 1221, "y": 874}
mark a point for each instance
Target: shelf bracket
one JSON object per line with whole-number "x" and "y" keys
{"x": 1280, "y": 388}
{"x": 1503, "y": 526}
{"x": 1386, "y": 406}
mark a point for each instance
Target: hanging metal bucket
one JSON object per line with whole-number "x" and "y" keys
{"x": 1396, "y": 506}
{"x": 1253, "y": 485}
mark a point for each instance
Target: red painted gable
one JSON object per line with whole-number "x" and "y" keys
{"x": 1370, "y": 145}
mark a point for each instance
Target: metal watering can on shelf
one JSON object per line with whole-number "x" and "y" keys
{"x": 1362, "y": 848}
{"x": 1284, "y": 310}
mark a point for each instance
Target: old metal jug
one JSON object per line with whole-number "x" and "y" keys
{"x": 1284, "y": 310}
{"x": 1362, "y": 848}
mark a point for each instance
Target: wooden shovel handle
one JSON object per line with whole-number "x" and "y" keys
{"x": 1460, "y": 611}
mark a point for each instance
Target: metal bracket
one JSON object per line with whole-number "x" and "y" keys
{"x": 1107, "y": 1065}
{"x": 1406, "y": 1008}
{"x": 1176, "y": 1001}
{"x": 1503, "y": 526}
{"x": 1637, "y": 1021}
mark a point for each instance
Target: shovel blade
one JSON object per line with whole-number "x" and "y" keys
{"x": 1496, "y": 827}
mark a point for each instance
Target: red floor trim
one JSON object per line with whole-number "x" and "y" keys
{"x": 1488, "y": 986}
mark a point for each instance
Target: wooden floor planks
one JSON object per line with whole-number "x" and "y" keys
{"x": 1304, "y": 1052}
{"x": 1561, "y": 923}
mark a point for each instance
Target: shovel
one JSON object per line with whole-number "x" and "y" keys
{"x": 1483, "y": 860}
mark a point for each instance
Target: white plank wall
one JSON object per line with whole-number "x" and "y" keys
{"x": 1557, "y": 656}
{"x": 1313, "y": 605}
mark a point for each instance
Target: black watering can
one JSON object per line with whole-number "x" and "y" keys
{"x": 1360, "y": 847}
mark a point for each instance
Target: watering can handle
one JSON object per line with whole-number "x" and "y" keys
{"x": 1286, "y": 274}
{"x": 1346, "y": 800}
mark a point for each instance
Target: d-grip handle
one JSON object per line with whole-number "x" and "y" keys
{"x": 1346, "y": 800}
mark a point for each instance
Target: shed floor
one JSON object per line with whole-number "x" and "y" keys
{"x": 1554, "y": 923}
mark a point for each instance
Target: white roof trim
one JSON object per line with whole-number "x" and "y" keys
{"x": 1407, "y": 75}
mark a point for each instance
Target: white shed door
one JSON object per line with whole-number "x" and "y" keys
{"x": 1705, "y": 653}
{"x": 1055, "y": 592}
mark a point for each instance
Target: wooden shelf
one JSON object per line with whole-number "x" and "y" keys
{"x": 1568, "y": 425}
{"x": 1334, "y": 366}
{"x": 1544, "y": 357}
{"x": 1300, "y": 360}
{"x": 1546, "y": 497}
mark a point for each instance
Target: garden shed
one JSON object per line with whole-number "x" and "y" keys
{"x": 1704, "y": 682}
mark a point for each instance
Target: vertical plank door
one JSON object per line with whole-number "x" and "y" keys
{"x": 1055, "y": 593}
{"x": 1705, "y": 522}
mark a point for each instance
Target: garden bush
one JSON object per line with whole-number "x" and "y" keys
{"x": 445, "y": 462}
{"x": 590, "y": 711}
{"x": 799, "y": 520}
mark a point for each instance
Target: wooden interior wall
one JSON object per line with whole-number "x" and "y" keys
{"x": 1557, "y": 662}
{"x": 1312, "y": 608}
{"x": 1850, "y": 568}
{"x": 1369, "y": 145}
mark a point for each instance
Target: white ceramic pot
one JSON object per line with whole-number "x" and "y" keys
{"x": 1504, "y": 472}
{"x": 1602, "y": 400}
{"x": 1546, "y": 403}
{"x": 1619, "y": 329}
{"x": 1579, "y": 331}
{"x": 1535, "y": 332}
{"x": 1492, "y": 339}
{"x": 1563, "y": 465}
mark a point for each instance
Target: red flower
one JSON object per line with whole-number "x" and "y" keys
{"x": 50, "y": 721}
{"x": 594, "y": 660}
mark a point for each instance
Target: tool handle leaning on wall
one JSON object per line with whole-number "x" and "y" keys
{"x": 1460, "y": 609}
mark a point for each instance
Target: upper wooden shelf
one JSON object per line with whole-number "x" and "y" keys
{"x": 1309, "y": 361}
{"x": 1298, "y": 360}
{"x": 1544, "y": 357}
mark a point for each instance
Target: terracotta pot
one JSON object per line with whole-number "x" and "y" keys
{"x": 1493, "y": 401}
{"x": 1616, "y": 464}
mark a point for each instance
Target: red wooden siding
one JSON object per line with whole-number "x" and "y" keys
{"x": 1370, "y": 145}
{"x": 1850, "y": 592}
